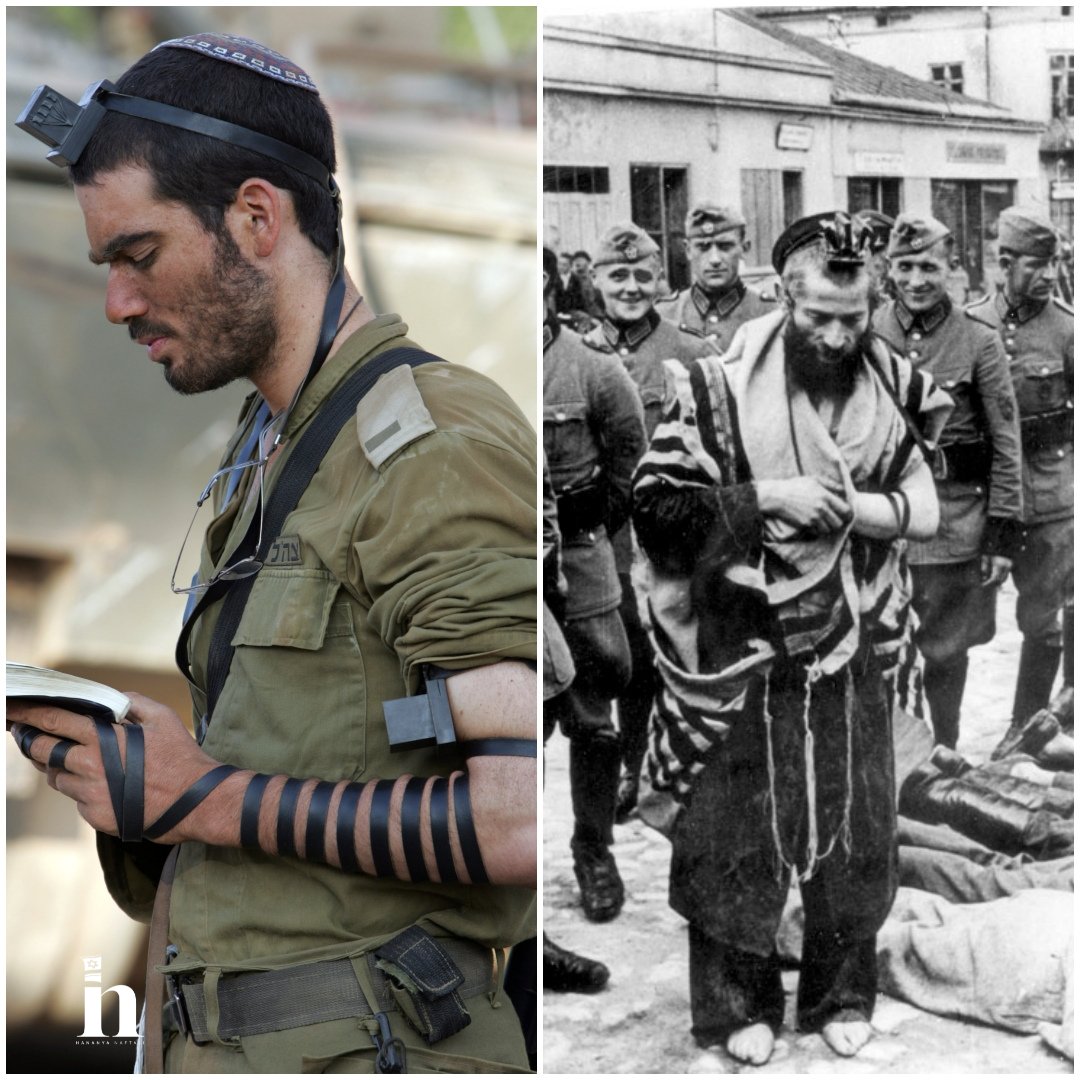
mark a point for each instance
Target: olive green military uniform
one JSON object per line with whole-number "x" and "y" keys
{"x": 715, "y": 319}
{"x": 980, "y": 500}
{"x": 593, "y": 438}
{"x": 414, "y": 543}
{"x": 1038, "y": 340}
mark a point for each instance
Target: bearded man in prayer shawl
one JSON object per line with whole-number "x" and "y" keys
{"x": 771, "y": 512}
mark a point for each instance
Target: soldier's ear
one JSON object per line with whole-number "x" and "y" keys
{"x": 746, "y": 245}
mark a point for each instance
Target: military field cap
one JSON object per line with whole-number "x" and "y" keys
{"x": 247, "y": 54}
{"x": 880, "y": 226}
{"x": 709, "y": 219}
{"x": 624, "y": 243}
{"x": 1026, "y": 232}
{"x": 913, "y": 233}
{"x": 844, "y": 239}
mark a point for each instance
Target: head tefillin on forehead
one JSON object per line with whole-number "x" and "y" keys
{"x": 831, "y": 244}
{"x": 203, "y": 114}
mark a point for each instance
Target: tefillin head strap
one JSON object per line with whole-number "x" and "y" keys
{"x": 67, "y": 129}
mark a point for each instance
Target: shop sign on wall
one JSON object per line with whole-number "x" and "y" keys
{"x": 794, "y": 136}
{"x": 975, "y": 153}
{"x": 878, "y": 163}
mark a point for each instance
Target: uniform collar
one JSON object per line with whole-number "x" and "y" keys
{"x": 1019, "y": 313}
{"x": 634, "y": 334}
{"x": 723, "y": 304}
{"x": 925, "y": 321}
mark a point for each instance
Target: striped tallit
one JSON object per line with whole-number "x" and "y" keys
{"x": 731, "y": 420}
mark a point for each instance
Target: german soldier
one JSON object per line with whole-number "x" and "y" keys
{"x": 718, "y": 301}
{"x": 1037, "y": 330}
{"x": 626, "y": 270}
{"x": 957, "y": 572}
{"x": 593, "y": 438}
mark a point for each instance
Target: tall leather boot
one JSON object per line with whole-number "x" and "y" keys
{"x": 1035, "y": 679}
{"x": 983, "y": 814}
{"x": 944, "y": 686}
{"x": 594, "y": 781}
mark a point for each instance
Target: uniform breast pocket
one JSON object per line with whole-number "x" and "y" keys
{"x": 568, "y": 441}
{"x": 957, "y": 384}
{"x": 296, "y": 697}
{"x": 1041, "y": 386}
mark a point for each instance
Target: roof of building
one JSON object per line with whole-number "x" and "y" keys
{"x": 859, "y": 81}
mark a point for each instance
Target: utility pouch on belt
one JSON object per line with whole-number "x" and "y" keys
{"x": 580, "y": 508}
{"x": 424, "y": 981}
{"x": 968, "y": 461}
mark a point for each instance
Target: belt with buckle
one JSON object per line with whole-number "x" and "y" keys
{"x": 254, "y": 1003}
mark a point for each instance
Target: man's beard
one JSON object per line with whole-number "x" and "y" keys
{"x": 230, "y": 325}
{"x": 820, "y": 371}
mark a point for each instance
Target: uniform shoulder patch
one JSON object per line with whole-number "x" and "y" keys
{"x": 1067, "y": 308}
{"x": 391, "y": 415}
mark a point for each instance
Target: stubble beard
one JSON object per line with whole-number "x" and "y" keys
{"x": 823, "y": 372}
{"x": 231, "y": 325}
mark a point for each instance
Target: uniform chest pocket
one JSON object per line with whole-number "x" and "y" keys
{"x": 296, "y": 697}
{"x": 956, "y": 382}
{"x": 568, "y": 439}
{"x": 1042, "y": 385}
{"x": 291, "y": 608}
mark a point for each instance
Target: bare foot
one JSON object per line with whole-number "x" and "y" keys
{"x": 847, "y": 1038}
{"x": 753, "y": 1044}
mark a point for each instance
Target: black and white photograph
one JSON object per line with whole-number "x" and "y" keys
{"x": 808, "y": 539}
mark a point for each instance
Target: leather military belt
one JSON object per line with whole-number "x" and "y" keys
{"x": 441, "y": 973}
{"x": 1046, "y": 430}
{"x": 967, "y": 461}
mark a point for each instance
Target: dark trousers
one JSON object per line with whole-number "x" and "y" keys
{"x": 726, "y": 878}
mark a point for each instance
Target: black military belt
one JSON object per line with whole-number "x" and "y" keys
{"x": 1046, "y": 430}
{"x": 968, "y": 461}
{"x": 259, "y": 1002}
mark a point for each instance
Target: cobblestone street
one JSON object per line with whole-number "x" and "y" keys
{"x": 640, "y": 1023}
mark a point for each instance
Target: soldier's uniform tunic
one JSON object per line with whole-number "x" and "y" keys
{"x": 642, "y": 347}
{"x": 980, "y": 501}
{"x": 593, "y": 439}
{"x": 416, "y": 548}
{"x": 1038, "y": 339}
{"x": 715, "y": 319}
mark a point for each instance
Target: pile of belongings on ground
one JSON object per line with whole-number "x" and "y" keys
{"x": 982, "y": 926}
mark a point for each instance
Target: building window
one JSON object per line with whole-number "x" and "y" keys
{"x": 948, "y": 76}
{"x": 1061, "y": 86}
{"x": 771, "y": 200}
{"x": 578, "y": 179}
{"x": 658, "y": 204}
{"x": 881, "y": 193}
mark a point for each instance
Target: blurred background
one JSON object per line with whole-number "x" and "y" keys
{"x": 435, "y": 111}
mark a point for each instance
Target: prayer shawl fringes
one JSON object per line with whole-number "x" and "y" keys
{"x": 813, "y": 673}
{"x": 849, "y": 788}
{"x": 774, "y": 817}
